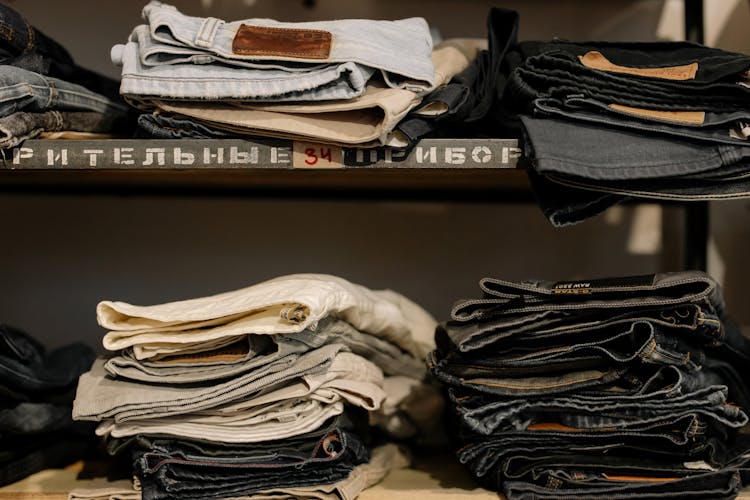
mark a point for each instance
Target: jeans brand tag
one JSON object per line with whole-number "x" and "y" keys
{"x": 592, "y": 286}
{"x": 596, "y": 60}
{"x": 282, "y": 42}
{"x": 683, "y": 117}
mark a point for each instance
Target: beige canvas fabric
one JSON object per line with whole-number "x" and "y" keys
{"x": 263, "y": 424}
{"x": 282, "y": 305}
{"x": 365, "y": 121}
{"x": 109, "y": 490}
{"x": 99, "y": 397}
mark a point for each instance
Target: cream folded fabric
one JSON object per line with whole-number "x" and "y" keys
{"x": 283, "y": 305}
{"x": 278, "y": 421}
{"x": 100, "y": 397}
{"x": 109, "y": 490}
{"x": 253, "y": 351}
{"x": 366, "y": 121}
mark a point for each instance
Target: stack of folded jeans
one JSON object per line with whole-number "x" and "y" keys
{"x": 605, "y": 122}
{"x": 344, "y": 82}
{"x": 36, "y": 396}
{"x": 44, "y": 93}
{"x": 262, "y": 390}
{"x": 618, "y": 388}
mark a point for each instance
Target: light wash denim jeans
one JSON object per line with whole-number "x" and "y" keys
{"x": 183, "y": 57}
{"x": 22, "y": 90}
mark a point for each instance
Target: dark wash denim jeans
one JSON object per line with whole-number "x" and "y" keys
{"x": 24, "y": 46}
{"x": 711, "y": 128}
{"x": 166, "y": 126}
{"x": 721, "y": 485}
{"x": 555, "y": 69}
{"x": 184, "y": 473}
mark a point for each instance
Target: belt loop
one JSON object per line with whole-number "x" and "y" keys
{"x": 207, "y": 32}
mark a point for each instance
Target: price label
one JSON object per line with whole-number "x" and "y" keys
{"x": 317, "y": 156}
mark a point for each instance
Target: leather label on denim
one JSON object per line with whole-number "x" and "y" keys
{"x": 596, "y": 60}
{"x": 282, "y": 42}
{"x": 592, "y": 286}
{"x": 682, "y": 117}
{"x": 639, "y": 479}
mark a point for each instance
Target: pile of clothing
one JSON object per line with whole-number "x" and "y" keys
{"x": 45, "y": 94}
{"x": 36, "y": 398}
{"x": 277, "y": 389}
{"x": 617, "y": 388}
{"x": 345, "y": 82}
{"x": 607, "y": 122}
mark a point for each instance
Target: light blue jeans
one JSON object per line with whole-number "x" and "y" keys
{"x": 181, "y": 57}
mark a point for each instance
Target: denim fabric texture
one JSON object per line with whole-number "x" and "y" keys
{"x": 174, "y": 56}
{"x": 36, "y": 397}
{"x": 626, "y": 387}
{"x": 663, "y": 120}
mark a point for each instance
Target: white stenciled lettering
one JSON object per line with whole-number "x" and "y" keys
{"x": 22, "y": 154}
{"x": 237, "y": 157}
{"x": 428, "y": 155}
{"x": 93, "y": 155}
{"x": 124, "y": 156}
{"x": 481, "y": 154}
{"x": 55, "y": 157}
{"x": 394, "y": 155}
{"x": 510, "y": 153}
{"x": 281, "y": 155}
{"x": 183, "y": 158}
{"x": 366, "y": 156}
{"x": 158, "y": 153}
{"x": 213, "y": 158}
{"x": 455, "y": 156}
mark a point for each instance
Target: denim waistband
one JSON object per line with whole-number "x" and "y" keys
{"x": 610, "y": 294}
{"x": 706, "y": 126}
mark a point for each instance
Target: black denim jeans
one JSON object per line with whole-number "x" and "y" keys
{"x": 185, "y": 472}
{"x": 548, "y": 459}
{"x": 665, "y": 75}
{"x": 721, "y": 485}
{"x": 467, "y": 99}
{"x": 32, "y": 374}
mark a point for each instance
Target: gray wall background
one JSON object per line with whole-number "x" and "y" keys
{"x": 62, "y": 253}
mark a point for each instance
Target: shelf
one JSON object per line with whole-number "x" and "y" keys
{"x": 439, "y": 477}
{"x": 472, "y": 169}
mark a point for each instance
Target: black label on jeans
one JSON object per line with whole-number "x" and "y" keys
{"x": 590, "y": 286}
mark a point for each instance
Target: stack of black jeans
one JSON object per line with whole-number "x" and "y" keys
{"x": 36, "y": 400}
{"x": 42, "y": 90}
{"x": 618, "y": 388}
{"x": 606, "y": 122}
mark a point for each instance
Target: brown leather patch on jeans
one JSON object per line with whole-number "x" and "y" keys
{"x": 683, "y": 117}
{"x": 282, "y": 42}
{"x": 596, "y": 60}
